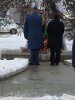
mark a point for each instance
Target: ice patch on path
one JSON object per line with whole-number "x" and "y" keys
{"x": 11, "y": 67}
{"x": 64, "y": 97}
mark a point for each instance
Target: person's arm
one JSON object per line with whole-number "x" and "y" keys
{"x": 26, "y": 28}
{"x": 63, "y": 27}
{"x": 48, "y": 28}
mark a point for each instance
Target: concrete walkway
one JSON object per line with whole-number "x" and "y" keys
{"x": 40, "y": 80}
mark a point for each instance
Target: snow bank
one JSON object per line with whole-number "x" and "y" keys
{"x": 64, "y": 97}
{"x": 11, "y": 67}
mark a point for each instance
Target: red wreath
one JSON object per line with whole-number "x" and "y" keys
{"x": 45, "y": 49}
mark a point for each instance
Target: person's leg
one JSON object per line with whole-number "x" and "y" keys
{"x": 58, "y": 54}
{"x": 52, "y": 56}
{"x": 32, "y": 54}
{"x": 36, "y": 56}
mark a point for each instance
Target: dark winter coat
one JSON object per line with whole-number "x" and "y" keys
{"x": 73, "y": 51}
{"x": 55, "y": 30}
{"x": 33, "y": 31}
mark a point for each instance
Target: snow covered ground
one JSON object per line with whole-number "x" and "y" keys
{"x": 12, "y": 42}
{"x": 68, "y": 44}
{"x": 64, "y": 97}
{"x": 15, "y": 42}
{"x": 11, "y": 67}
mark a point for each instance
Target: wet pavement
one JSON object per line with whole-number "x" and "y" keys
{"x": 40, "y": 80}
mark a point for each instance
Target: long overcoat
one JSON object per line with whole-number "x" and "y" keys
{"x": 55, "y": 30}
{"x": 33, "y": 31}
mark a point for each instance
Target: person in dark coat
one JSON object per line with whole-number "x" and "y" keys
{"x": 55, "y": 30}
{"x": 73, "y": 52}
{"x": 34, "y": 34}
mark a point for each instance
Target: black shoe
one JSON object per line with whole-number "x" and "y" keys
{"x": 37, "y": 64}
{"x": 51, "y": 64}
{"x": 56, "y": 64}
{"x": 31, "y": 64}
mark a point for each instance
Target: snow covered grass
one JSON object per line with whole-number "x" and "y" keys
{"x": 11, "y": 67}
{"x": 68, "y": 44}
{"x": 12, "y": 42}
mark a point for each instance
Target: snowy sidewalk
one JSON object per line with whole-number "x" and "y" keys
{"x": 12, "y": 67}
{"x": 44, "y": 82}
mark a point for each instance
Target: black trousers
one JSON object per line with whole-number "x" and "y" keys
{"x": 55, "y": 55}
